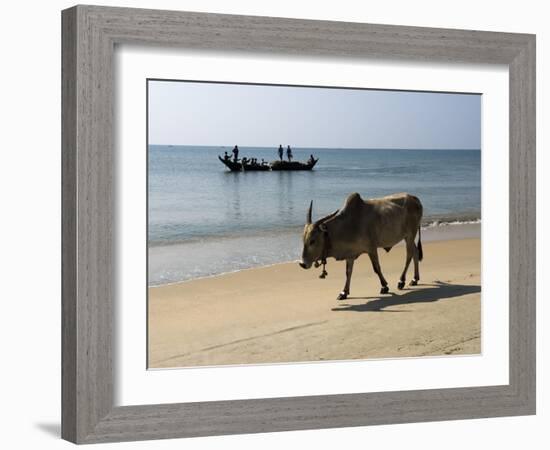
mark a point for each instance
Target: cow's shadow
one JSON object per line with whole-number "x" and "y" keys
{"x": 439, "y": 290}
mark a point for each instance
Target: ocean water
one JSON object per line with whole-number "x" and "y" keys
{"x": 204, "y": 220}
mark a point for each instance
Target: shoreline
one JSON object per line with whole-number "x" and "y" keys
{"x": 281, "y": 313}
{"x": 440, "y": 232}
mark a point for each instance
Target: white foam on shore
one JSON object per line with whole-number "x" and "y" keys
{"x": 443, "y": 223}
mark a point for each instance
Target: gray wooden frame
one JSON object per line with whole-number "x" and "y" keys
{"x": 89, "y": 36}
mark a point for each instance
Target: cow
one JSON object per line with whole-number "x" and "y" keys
{"x": 363, "y": 226}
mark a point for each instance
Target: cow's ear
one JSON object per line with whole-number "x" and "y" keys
{"x": 323, "y": 228}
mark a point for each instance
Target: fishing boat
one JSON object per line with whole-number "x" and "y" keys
{"x": 238, "y": 166}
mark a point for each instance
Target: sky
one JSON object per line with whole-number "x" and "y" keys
{"x": 194, "y": 113}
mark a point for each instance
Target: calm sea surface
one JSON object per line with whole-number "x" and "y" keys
{"x": 204, "y": 220}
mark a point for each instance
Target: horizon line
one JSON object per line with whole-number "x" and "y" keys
{"x": 316, "y": 148}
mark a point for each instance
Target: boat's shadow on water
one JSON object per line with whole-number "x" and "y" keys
{"x": 439, "y": 290}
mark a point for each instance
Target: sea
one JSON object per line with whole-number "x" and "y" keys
{"x": 204, "y": 220}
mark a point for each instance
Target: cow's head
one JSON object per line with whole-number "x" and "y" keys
{"x": 314, "y": 241}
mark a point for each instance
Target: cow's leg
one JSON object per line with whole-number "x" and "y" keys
{"x": 416, "y": 278}
{"x": 410, "y": 249}
{"x": 349, "y": 270}
{"x": 376, "y": 267}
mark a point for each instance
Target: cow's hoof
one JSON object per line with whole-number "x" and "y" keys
{"x": 385, "y": 290}
{"x": 342, "y": 296}
{"x": 413, "y": 282}
{"x": 400, "y": 285}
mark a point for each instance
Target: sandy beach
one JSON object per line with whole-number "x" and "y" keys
{"x": 282, "y": 313}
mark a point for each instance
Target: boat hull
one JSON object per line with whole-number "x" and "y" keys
{"x": 274, "y": 165}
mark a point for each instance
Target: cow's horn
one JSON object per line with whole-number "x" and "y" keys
{"x": 309, "y": 213}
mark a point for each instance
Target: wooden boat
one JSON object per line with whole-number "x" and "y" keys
{"x": 274, "y": 165}
{"x": 293, "y": 165}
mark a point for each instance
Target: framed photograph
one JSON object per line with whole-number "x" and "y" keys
{"x": 278, "y": 224}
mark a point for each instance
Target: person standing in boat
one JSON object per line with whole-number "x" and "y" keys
{"x": 235, "y": 153}
{"x": 226, "y": 157}
{"x": 281, "y": 152}
{"x": 289, "y": 153}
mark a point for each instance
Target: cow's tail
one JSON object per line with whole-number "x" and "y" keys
{"x": 419, "y": 246}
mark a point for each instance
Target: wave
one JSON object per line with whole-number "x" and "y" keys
{"x": 437, "y": 223}
{"x": 452, "y": 219}
{"x": 230, "y": 235}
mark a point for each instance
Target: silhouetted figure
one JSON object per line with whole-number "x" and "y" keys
{"x": 245, "y": 161}
{"x": 289, "y": 153}
{"x": 311, "y": 159}
{"x": 235, "y": 153}
{"x": 226, "y": 157}
{"x": 281, "y": 152}
{"x": 264, "y": 163}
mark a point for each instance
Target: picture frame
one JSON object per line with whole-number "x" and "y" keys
{"x": 89, "y": 37}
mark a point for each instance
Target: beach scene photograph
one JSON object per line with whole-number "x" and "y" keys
{"x": 301, "y": 224}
